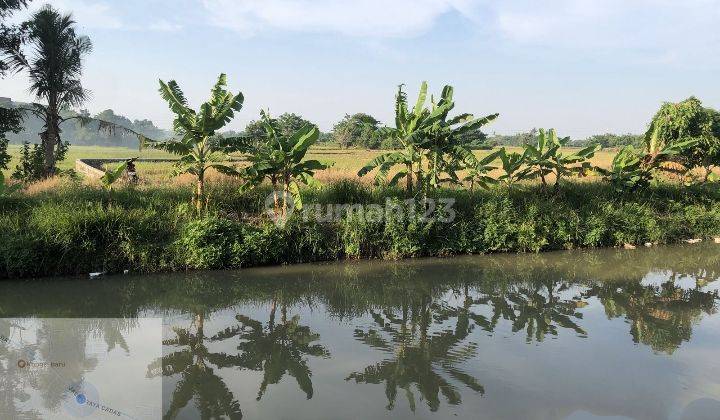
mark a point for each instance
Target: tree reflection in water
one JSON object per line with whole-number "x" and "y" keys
{"x": 197, "y": 381}
{"x": 275, "y": 349}
{"x": 662, "y": 316}
{"x": 419, "y": 358}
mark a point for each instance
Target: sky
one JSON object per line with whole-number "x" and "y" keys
{"x": 583, "y": 67}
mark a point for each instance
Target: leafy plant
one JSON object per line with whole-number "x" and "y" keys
{"x": 196, "y": 142}
{"x": 687, "y": 120}
{"x": 408, "y": 132}
{"x": 54, "y": 70}
{"x": 6, "y": 190}
{"x": 632, "y": 169}
{"x": 546, "y": 158}
{"x": 444, "y": 146}
{"x": 281, "y": 161}
{"x": 32, "y": 164}
{"x": 112, "y": 175}
{"x": 512, "y": 166}
{"x": 433, "y": 144}
{"x": 479, "y": 169}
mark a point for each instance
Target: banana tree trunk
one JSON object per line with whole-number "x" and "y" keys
{"x": 200, "y": 193}
{"x": 276, "y": 198}
{"x": 409, "y": 177}
{"x": 286, "y": 193}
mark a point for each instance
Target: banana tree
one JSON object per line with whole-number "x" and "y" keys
{"x": 196, "y": 139}
{"x": 546, "y": 158}
{"x": 631, "y": 169}
{"x": 281, "y": 161}
{"x": 442, "y": 146}
{"x": 409, "y": 130}
{"x": 512, "y": 165}
{"x": 479, "y": 169}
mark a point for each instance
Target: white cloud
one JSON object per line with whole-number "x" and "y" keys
{"x": 609, "y": 23}
{"x": 369, "y": 18}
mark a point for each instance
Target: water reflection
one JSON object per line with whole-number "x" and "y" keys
{"x": 661, "y": 316}
{"x": 198, "y": 381}
{"x": 426, "y": 337}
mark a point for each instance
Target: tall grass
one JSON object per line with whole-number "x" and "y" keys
{"x": 68, "y": 228}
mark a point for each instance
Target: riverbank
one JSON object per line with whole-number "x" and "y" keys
{"x": 76, "y": 229}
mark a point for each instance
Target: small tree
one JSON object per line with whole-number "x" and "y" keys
{"x": 281, "y": 161}
{"x": 679, "y": 122}
{"x": 32, "y": 164}
{"x": 433, "y": 143}
{"x": 196, "y": 143}
{"x": 408, "y": 132}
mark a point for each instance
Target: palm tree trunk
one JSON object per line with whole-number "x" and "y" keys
{"x": 50, "y": 138}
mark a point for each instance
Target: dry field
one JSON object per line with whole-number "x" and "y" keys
{"x": 346, "y": 162}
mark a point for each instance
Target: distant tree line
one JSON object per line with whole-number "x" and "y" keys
{"x": 607, "y": 140}
{"x": 358, "y": 130}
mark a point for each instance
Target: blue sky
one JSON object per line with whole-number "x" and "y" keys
{"x": 581, "y": 66}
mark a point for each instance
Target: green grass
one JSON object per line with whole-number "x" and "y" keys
{"x": 73, "y": 228}
{"x": 85, "y": 152}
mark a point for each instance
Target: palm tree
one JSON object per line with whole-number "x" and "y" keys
{"x": 54, "y": 69}
{"x": 197, "y": 142}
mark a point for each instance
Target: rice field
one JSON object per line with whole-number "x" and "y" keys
{"x": 345, "y": 162}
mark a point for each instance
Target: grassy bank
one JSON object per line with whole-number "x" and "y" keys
{"x": 76, "y": 229}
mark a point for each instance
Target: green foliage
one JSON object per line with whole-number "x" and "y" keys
{"x": 10, "y": 122}
{"x": 6, "y": 190}
{"x": 478, "y": 170}
{"x": 51, "y": 52}
{"x": 32, "y": 164}
{"x": 687, "y": 120}
{"x": 281, "y": 160}
{"x": 632, "y": 169}
{"x": 609, "y": 140}
{"x": 195, "y": 131}
{"x": 512, "y": 166}
{"x": 434, "y": 146}
{"x": 112, "y": 175}
{"x": 70, "y": 230}
{"x": 546, "y": 158}
{"x": 286, "y": 124}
